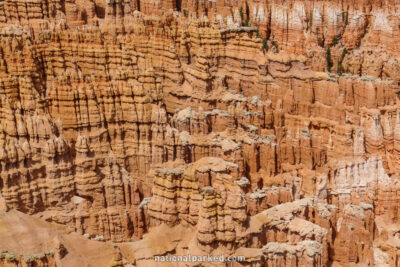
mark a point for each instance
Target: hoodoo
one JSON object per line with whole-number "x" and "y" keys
{"x": 254, "y": 132}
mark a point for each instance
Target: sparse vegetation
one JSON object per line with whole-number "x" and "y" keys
{"x": 329, "y": 62}
{"x": 258, "y": 33}
{"x": 265, "y": 45}
{"x": 276, "y": 46}
{"x": 340, "y": 66}
{"x": 241, "y": 14}
{"x": 185, "y": 13}
{"x": 345, "y": 18}
{"x": 317, "y": 31}
{"x": 367, "y": 29}
{"x": 245, "y": 22}
{"x": 335, "y": 41}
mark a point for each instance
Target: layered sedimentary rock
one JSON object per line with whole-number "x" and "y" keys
{"x": 269, "y": 129}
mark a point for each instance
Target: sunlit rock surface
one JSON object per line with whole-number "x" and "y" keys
{"x": 264, "y": 129}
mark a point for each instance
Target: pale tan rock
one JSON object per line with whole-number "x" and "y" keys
{"x": 215, "y": 121}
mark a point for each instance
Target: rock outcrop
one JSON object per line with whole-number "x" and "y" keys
{"x": 264, "y": 129}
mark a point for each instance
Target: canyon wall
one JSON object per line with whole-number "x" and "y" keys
{"x": 269, "y": 129}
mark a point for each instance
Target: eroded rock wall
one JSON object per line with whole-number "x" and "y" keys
{"x": 267, "y": 128}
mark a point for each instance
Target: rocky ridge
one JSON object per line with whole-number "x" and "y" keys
{"x": 269, "y": 129}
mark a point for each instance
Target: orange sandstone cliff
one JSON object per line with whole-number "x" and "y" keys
{"x": 141, "y": 128}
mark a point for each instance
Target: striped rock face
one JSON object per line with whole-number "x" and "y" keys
{"x": 141, "y": 128}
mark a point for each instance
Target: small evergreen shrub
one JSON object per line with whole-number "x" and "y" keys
{"x": 329, "y": 62}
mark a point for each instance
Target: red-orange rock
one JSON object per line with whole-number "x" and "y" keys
{"x": 270, "y": 129}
